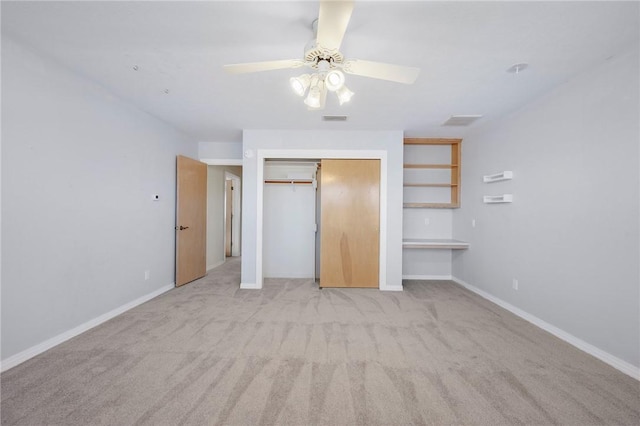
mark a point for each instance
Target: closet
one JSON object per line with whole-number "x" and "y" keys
{"x": 322, "y": 220}
{"x": 289, "y": 206}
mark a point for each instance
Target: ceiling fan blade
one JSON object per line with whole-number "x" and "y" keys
{"x": 382, "y": 71}
{"x": 333, "y": 19}
{"x": 263, "y": 66}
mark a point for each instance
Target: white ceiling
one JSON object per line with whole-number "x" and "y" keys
{"x": 463, "y": 49}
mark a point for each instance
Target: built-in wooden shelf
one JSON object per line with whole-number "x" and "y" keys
{"x": 420, "y": 243}
{"x": 454, "y": 175}
{"x": 430, "y": 141}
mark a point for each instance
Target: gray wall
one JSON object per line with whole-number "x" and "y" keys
{"x": 571, "y": 236}
{"x": 79, "y": 227}
{"x": 215, "y": 212}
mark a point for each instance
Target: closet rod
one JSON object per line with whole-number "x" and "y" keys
{"x": 290, "y": 181}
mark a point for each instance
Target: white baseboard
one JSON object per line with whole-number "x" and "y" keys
{"x": 391, "y": 288}
{"x": 617, "y": 363}
{"x": 287, "y": 276}
{"x": 427, "y": 277}
{"x": 250, "y": 286}
{"x": 215, "y": 265}
{"x": 27, "y": 354}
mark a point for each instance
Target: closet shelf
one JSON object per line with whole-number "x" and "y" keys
{"x": 431, "y": 185}
{"x": 420, "y": 243}
{"x": 430, "y": 166}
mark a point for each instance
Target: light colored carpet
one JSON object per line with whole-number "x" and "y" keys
{"x": 210, "y": 353}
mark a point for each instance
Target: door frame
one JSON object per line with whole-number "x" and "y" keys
{"x": 262, "y": 154}
{"x": 236, "y": 211}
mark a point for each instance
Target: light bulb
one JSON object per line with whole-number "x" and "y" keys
{"x": 300, "y": 84}
{"x": 334, "y": 80}
{"x": 344, "y": 94}
{"x": 313, "y": 98}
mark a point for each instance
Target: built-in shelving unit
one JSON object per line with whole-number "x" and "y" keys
{"x": 426, "y": 186}
{"x": 431, "y": 181}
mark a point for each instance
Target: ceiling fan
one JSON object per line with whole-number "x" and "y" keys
{"x": 327, "y": 63}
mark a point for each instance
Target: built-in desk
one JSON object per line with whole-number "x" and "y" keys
{"x": 421, "y": 243}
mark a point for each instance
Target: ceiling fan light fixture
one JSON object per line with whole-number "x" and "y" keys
{"x": 322, "y": 54}
{"x": 313, "y": 98}
{"x": 344, "y": 94}
{"x": 334, "y": 80}
{"x": 300, "y": 84}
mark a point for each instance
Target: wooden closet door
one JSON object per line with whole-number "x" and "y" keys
{"x": 350, "y": 217}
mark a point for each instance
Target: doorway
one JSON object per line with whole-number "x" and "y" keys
{"x": 224, "y": 188}
{"x": 232, "y": 215}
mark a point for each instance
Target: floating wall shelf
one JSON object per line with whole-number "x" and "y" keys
{"x": 506, "y": 175}
{"x": 504, "y": 198}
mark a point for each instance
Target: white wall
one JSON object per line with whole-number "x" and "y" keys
{"x": 427, "y": 263}
{"x": 79, "y": 227}
{"x": 215, "y": 212}
{"x": 219, "y": 151}
{"x": 571, "y": 236}
{"x": 289, "y": 235}
{"x": 313, "y": 143}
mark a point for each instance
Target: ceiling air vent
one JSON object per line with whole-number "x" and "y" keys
{"x": 461, "y": 120}
{"x": 334, "y": 118}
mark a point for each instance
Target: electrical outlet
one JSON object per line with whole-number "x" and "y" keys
{"x": 147, "y": 274}
{"x": 473, "y": 223}
{"x": 426, "y": 221}
{"x": 515, "y": 284}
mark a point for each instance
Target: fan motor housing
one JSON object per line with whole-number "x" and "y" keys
{"x": 316, "y": 54}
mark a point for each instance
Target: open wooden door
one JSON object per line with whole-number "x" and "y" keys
{"x": 350, "y": 217}
{"x": 191, "y": 217}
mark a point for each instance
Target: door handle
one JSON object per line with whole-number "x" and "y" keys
{"x": 180, "y": 228}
